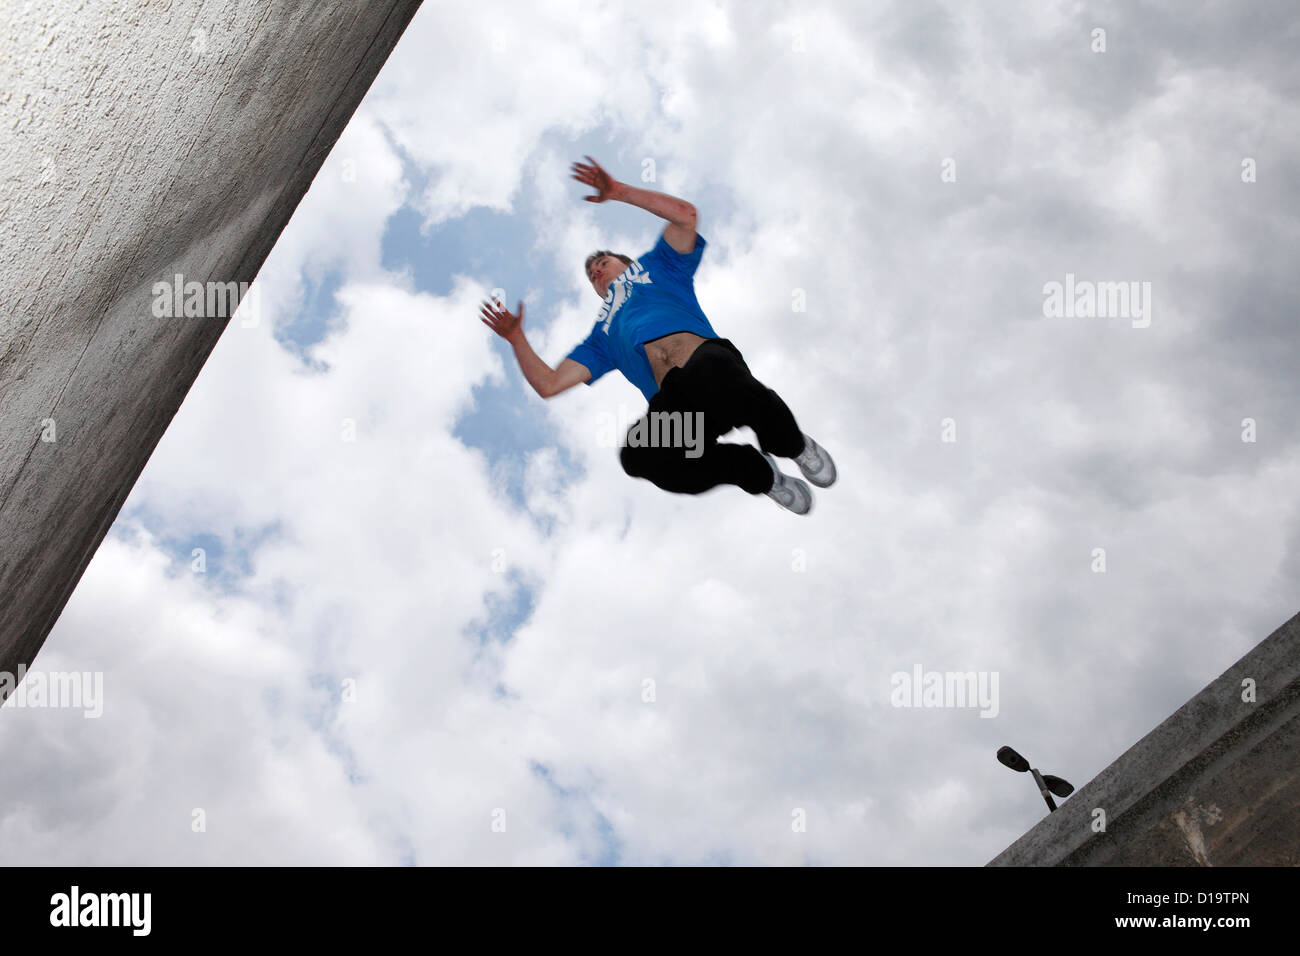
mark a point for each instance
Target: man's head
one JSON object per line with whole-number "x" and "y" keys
{"x": 604, "y": 267}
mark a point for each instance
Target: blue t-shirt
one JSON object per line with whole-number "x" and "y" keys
{"x": 655, "y": 296}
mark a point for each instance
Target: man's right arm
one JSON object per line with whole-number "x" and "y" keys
{"x": 546, "y": 381}
{"x": 569, "y": 374}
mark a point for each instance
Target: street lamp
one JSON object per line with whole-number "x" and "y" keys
{"x": 1046, "y": 782}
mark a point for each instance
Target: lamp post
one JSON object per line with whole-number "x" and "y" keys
{"x": 1046, "y": 782}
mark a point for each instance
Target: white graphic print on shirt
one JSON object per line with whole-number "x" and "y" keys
{"x": 619, "y": 290}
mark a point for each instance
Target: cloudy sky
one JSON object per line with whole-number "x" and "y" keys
{"x": 467, "y": 637}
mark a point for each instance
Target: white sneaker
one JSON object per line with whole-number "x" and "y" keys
{"x": 790, "y": 493}
{"x": 815, "y": 464}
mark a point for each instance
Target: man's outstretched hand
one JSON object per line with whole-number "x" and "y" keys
{"x": 501, "y": 320}
{"x": 595, "y": 177}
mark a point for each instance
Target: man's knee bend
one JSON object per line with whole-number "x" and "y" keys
{"x": 633, "y": 460}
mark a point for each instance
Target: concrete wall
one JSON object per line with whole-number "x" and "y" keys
{"x": 139, "y": 140}
{"x": 1216, "y": 784}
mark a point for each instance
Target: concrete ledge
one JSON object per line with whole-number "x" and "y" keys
{"x": 1216, "y": 784}
{"x": 139, "y": 140}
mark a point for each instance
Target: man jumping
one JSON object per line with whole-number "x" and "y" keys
{"x": 651, "y": 329}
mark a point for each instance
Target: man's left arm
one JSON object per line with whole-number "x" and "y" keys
{"x": 681, "y": 215}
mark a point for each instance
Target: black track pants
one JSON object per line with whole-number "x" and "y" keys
{"x": 675, "y": 445}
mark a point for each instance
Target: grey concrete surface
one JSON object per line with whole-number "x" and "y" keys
{"x": 1216, "y": 784}
{"x": 139, "y": 140}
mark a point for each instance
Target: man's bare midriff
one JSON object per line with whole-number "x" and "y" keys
{"x": 671, "y": 351}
